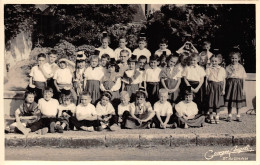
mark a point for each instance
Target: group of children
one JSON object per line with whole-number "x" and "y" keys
{"x": 120, "y": 89}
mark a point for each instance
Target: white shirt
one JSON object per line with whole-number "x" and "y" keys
{"x": 63, "y": 76}
{"x": 83, "y": 111}
{"x": 237, "y": 71}
{"x": 108, "y": 51}
{"x": 105, "y": 110}
{"x": 94, "y": 74}
{"x": 189, "y": 109}
{"x": 216, "y": 74}
{"x": 37, "y": 75}
{"x": 118, "y": 50}
{"x": 138, "y": 52}
{"x": 139, "y": 78}
{"x": 152, "y": 75}
{"x": 71, "y": 107}
{"x": 194, "y": 73}
{"x": 163, "y": 109}
{"x": 48, "y": 108}
{"x": 159, "y": 52}
{"x": 122, "y": 108}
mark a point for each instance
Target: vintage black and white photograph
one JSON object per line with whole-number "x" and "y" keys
{"x": 130, "y": 82}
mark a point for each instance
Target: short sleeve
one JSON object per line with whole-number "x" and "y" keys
{"x": 223, "y": 73}
{"x": 148, "y": 106}
{"x": 111, "y": 109}
{"x": 178, "y": 108}
{"x": 56, "y": 75}
{"x": 202, "y": 72}
{"x": 32, "y": 72}
{"x": 73, "y": 108}
{"x": 169, "y": 109}
{"x": 243, "y": 72}
{"x": 93, "y": 110}
{"x": 185, "y": 72}
{"x": 156, "y": 107}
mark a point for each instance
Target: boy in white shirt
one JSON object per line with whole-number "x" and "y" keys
{"x": 104, "y": 48}
{"x": 123, "y": 65}
{"x": 163, "y": 111}
{"x": 122, "y": 46}
{"x": 85, "y": 116}
{"x": 163, "y": 47}
{"x": 63, "y": 79}
{"x": 142, "y": 50}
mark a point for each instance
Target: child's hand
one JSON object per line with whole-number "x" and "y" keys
{"x": 223, "y": 93}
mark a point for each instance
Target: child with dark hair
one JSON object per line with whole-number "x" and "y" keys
{"x": 163, "y": 48}
{"x": 111, "y": 82}
{"x": 152, "y": 79}
{"x": 25, "y": 115}
{"x": 132, "y": 78}
{"x": 141, "y": 116}
{"x": 38, "y": 76}
{"x": 123, "y": 66}
{"x": 106, "y": 113}
{"x": 105, "y": 58}
{"x": 142, "y": 50}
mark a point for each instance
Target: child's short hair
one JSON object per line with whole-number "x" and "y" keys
{"x": 67, "y": 96}
{"x": 106, "y": 37}
{"x": 235, "y": 52}
{"x": 154, "y": 58}
{"x": 86, "y": 94}
{"x": 141, "y": 93}
{"x": 214, "y": 56}
{"x": 194, "y": 55}
{"x": 107, "y": 94}
{"x": 41, "y": 55}
{"x": 142, "y": 57}
{"x": 124, "y": 94}
{"x": 30, "y": 92}
{"x": 105, "y": 56}
{"x": 123, "y": 37}
{"x": 163, "y": 91}
{"x": 48, "y": 89}
{"x": 164, "y": 41}
{"x": 172, "y": 56}
{"x": 124, "y": 51}
{"x": 206, "y": 43}
{"x": 93, "y": 57}
{"x": 142, "y": 39}
{"x": 53, "y": 51}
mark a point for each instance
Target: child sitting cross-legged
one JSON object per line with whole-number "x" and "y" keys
{"x": 163, "y": 110}
{"x": 141, "y": 116}
{"x": 66, "y": 110}
{"x": 187, "y": 112}
{"x": 106, "y": 113}
{"x": 85, "y": 115}
{"x": 25, "y": 115}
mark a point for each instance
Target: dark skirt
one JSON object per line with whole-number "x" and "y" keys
{"x": 215, "y": 97}
{"x": 93, "y": 87}
{"x": 197, "y": 121}
{"x": 171, "y": 84}
{"x": 153, "y": 91}
{"x": 131, "y": 123}
{"x": 198, "y": 99}
{"x": 131, "y": 90}
{"x": 234, "y": 95}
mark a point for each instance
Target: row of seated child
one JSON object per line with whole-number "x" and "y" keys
{"x": 50, "y": 116}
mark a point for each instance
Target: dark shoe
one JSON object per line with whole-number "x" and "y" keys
{"x": 229, "y": 119}
{"x": 59, "y": 128}
{"x": 174, "y": 126}
{"x": 99, "y": 128}
{"x": 52, "y": 127}
{"x": 202, "y": 124}
{"x": 238, "y": 119}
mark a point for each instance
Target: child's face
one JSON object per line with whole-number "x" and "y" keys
{"x": 184, "y": 60}
{"x": 124, "y": 57}
{"x": 163, "y": 60}
{"x": 66, "y": 101}
{"x": 104, "y": 62}
{"x": 188, "y": 98}
{"x": 104, "y": 101}
{"x": 63, "y": 65}
{"x": 85, "y": 100}
{"x": 153, "y": 64}
{"x": 163, "y": 97}
{"x": 131, "y": 65}
{"x": 41, "y": 60}
{"x": 125, "y": 100}
{"x": 172, "y": 62}
{"x": 163, "y": 46}
{"x": 140, "y": 100}
{"x": 94, "y": 62}
{"x": 193, "y": 61}
{"x": 29, "y": 98}
{"x": 122, "y": 43}
{"x": 214, "y": 62}
{"x": 220, "y": 58}
{"x": 47, "y": 95}
{"x": 53, "y": 58}
{"x": 206, "y": 46}
{"x": 187, "y": 46}
{"x": 142, "y": 63}
{"x": 142, "y": 44}
{"x": 81, "y": 64}
{"x": 234, "y": 59}
{"x": 111, "y": 69}
{"x": 105, "y": 43}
